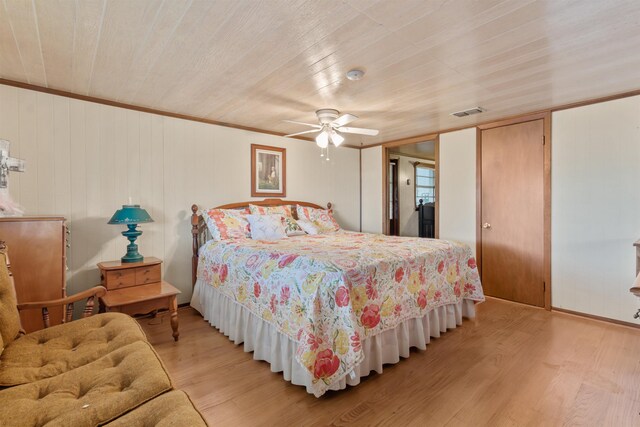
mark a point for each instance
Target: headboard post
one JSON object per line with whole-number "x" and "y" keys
{"x": 195, "y": 220}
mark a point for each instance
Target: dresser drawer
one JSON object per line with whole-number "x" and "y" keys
{"x": 148, "y": 274}
{"x": 119, "y": 279}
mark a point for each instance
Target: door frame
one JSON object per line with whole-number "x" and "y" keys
{"x": 395, "y": 206}
{"x": 546, "y": 117}
{"x": 385, "y": 185}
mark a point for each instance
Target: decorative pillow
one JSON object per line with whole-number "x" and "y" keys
{"x": 284, "y": 210}
{"x": 324, "y": 228}
{"x": 227, "y": 224}
{"x": 308, "y": 226}
{"x": 267, "y": 227}
{"x": 292, "y": 228}
{"x": 322, "y": 217}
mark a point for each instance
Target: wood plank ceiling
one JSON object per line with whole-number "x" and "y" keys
{"x": 421, "y": 150}
{"x": 255, "y": 63}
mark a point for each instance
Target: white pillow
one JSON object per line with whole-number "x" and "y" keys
{"x": 267, "y": 227}
{"x": 308, "y": 226}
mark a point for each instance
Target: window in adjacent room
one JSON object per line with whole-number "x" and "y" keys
{"x": 425, "y": 183}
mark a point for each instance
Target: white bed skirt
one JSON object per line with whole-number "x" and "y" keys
{"x": 266, "y": 343}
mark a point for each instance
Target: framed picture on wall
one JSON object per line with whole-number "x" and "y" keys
{"x": 268, "y": 171}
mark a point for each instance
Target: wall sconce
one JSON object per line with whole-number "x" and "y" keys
{"x": 408, "y": 181}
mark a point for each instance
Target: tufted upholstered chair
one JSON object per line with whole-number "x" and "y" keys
{"x": 93, "y": 371}
{"x": 52, "y": 351}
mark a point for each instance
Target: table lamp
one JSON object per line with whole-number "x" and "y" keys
{"x": 131, "y": 215}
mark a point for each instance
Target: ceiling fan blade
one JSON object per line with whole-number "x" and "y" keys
{"x": 302, "y": 123}
{"x": 302, "y": 133}
{"x": 359, "y": 131}
{"x": 343, "y": 120}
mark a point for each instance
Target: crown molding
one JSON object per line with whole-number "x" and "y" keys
{"x": 392, "y": 143}
{"x": 482, "y": 125}
{"x": 142, "y": 109}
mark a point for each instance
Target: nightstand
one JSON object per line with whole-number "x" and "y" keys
{"x": 137, "y": 288}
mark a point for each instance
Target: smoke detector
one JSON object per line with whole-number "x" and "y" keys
{"x": 355, "y": 74}
{"x": 469, "y": 112}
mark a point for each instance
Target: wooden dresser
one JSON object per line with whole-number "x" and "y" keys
{"x": 37, "y": 247}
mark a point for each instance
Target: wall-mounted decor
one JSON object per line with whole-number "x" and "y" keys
{"x": 268, "y": 171}
{"x": 8, "y": 207}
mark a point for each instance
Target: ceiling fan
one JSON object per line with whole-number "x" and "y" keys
{"x": 331, "y": 126}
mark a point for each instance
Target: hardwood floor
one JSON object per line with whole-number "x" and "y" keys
{"x": 514, "y": 365}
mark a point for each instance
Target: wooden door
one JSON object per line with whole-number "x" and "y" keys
{"x": 512, "y": 212}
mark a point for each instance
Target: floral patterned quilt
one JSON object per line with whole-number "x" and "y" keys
{"x": 328, "y": 292}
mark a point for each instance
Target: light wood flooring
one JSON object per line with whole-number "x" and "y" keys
{"x": 514, "y": 365}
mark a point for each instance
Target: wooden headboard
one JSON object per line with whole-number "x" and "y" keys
{"x": 200, "y": 232}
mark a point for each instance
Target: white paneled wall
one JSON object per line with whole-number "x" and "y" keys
{"x": 595, "y": 210}
{"x": 458, "y": 186}
{"x": 84, "y": 160}
{"x": 371, "y": 163}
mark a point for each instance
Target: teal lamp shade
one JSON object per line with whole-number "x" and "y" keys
{"x": 131, "y": 216}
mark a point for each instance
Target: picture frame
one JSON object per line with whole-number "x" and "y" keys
{"x": 268, "y": 171}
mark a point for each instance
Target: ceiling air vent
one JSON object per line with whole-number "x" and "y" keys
{"x": 470, "y": 111}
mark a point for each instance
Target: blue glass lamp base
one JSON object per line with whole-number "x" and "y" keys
{"x": 132, "y": 254}
{"x": 132, "y": 258}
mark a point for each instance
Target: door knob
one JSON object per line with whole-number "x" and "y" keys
{"x": 486, "y": 225}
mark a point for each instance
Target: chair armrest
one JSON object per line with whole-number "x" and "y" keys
{"x": 96, "y": 291}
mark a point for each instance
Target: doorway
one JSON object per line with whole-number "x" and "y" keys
{"x": 394, "y": 205}
{"x": 411, "y": 183}
{"x": 513, "y": 215}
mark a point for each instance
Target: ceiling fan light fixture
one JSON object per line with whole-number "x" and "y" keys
{"x": 331, "y": 127}
{"x": 322, "y": 140}
{"x": 336, "y": 138}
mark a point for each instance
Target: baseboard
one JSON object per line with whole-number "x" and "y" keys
{"x": 573, "y": 313}
{"x": 514, "y": 302}
{"x": 594, "y": 317}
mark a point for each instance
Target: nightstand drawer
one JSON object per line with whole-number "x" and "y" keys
{"x": 148, "y": 274}
{"x": 119, "y": 279}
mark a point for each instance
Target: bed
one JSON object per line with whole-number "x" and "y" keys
{"x": 328, "y": 309}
